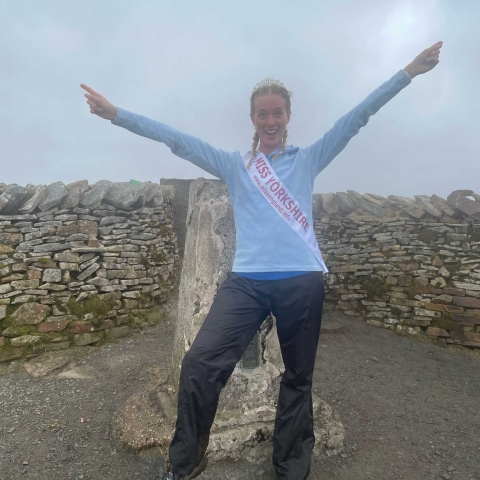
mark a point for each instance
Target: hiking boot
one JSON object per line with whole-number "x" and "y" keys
{"x": 202, "y": 465}
{"x": 172, "y": 476}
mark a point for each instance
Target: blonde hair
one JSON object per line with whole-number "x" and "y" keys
{"x": 266, "y": 86}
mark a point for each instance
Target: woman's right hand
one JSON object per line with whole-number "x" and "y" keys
{"x": 99, "y": 105}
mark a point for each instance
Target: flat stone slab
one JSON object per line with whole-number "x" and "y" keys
{"x": 45, "y": 364}
{"x": 332, "y": 327}
{"x": 82, "y": 372}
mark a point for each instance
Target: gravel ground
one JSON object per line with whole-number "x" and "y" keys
{"x": 411, "y": 410}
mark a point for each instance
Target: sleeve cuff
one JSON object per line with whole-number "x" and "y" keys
{"x": 407, "y": 74}
{"x": 120, "y": 115}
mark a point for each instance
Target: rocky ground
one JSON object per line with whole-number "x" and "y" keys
{"x": 411, "y": 410}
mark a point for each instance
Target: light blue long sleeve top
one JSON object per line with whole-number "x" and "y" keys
{"x": 265, "y": 242}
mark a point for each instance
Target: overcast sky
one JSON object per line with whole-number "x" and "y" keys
{"x": 193, "y": 65}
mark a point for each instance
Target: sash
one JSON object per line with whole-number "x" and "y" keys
{"x": 282, "y": 201}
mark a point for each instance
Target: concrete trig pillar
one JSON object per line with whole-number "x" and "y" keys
{"x": 245, "y": 417}
{"x": 243, "y": 427}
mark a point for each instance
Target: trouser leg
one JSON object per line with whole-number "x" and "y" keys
{"x": 298, "y": 310}
{"x": 236, "y": 314}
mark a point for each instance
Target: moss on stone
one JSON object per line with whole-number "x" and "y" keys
{"x": 473, "y": 234}
{"x": 61, "y": 306}
{"x": 414, "y": 289}
{"x": 10, "y": 348}
{"x": 375, "y": 286}
{"x": 145, "y": 300}
{"x": 147, "y": 317}
{"x": 446, "y": 322}
{"x": 165, "y": 230}
{"x": 157, "y": 256}
{"x": 396, "y": 312}
{"x": 92, "y": 304}
{"x": 427, "y": 236}
{"x": 145, "y": 262}
{"x": 21, "y": 330}
{"x": 44, "y": 261}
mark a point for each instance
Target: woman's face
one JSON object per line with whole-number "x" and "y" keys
{"x": 270, "y": 119}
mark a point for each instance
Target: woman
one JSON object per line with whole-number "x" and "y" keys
{"x": 278, "y": 267}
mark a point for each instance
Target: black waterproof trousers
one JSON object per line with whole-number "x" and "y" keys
{"x": 240, "y": 307}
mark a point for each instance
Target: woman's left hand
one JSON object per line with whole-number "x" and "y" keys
{"x": 424, "y": 62}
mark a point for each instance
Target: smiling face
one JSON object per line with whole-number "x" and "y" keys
{"x": 270, "y": 117}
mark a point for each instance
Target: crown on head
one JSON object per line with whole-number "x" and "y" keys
{"x": 268, "y": 82}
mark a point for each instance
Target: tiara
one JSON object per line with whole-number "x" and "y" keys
{"x": 269, "y": 82}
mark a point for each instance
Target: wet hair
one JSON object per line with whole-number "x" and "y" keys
{"x": 269, "y": 86}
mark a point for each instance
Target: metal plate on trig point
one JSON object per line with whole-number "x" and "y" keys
{"x": 251, "y": 356}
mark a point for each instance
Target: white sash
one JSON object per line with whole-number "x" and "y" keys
{"x": 282, "y": 201}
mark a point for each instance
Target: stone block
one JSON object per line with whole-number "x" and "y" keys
{"x": 453, "y": 309}
{"x": 52, "y": 275}
{"x": 25, "y": 340}
{"x": 87, "y": 226}
{"x": 74, "y": 193}
{"x": 437, "y": 332}
{"x": 135, "y": 294}
{"x": 57, "y": 326}
{"x": 53, "y": 347}
{"x": 87, "y": 327}
{"x": 24, "y": 299}
{"x": 417, "y": 321}
{"x": 68, "y": 257}
{"x": 472, "y": 337}
{"x": 25, "y": 284}
{"x": 82, "y": 339}
{"x": 409, "y": 267}
{"x": 34, "y": 274}
{"x": 443, "y": 299}
{"x": 116, "y": 274}
{"x": 88, "y": 272}
{"x": 466, "y": 319}
{"x": 435, "y": 306}
{"x": 50, "y": 247}
{"x": 466, "y": 302}
{"x": 10, "y": 355}
{"x": 467, "y": 286}
{"x": 30, "y": 314}
{"x": 73, "y": 267}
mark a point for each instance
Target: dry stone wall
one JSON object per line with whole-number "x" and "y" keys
{"x": 81, "y": 264}
{"x": 410, "y": 265}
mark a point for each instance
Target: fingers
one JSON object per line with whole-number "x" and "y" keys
{"x": 89, "y": 90}
{"x": 94, "y": 108}
{"x": 431, "y": 54}
{"x": 435, "y": 46}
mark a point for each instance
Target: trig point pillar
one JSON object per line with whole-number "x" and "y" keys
{"x": 243, "y": 427}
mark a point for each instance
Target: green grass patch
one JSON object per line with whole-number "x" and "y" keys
{"x": 92, "y": 304}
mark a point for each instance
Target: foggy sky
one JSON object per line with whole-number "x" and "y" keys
{"x": 193, "y": 65}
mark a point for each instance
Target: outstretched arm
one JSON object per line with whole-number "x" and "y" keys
{"x": 214, "y": 161}
{"x": 336, "y": 139}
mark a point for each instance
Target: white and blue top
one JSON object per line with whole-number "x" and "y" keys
{"x": 267, "y": 247}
